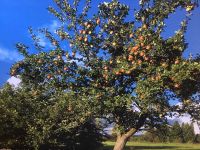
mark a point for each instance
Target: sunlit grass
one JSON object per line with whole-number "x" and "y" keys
{"x": 154, "y": 146}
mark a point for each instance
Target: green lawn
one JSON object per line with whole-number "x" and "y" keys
{"x": 154, "y": 146}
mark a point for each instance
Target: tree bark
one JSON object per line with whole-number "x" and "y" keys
{"x": 123, "y": 138}
{"x": 120, "y": 143}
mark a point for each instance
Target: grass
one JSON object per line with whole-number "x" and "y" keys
{"x": 154, "y": 146}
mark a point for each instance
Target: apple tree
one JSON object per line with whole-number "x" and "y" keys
{"x": 119, "y": 67}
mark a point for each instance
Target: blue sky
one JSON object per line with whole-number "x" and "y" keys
{"x": 17, "y": 15}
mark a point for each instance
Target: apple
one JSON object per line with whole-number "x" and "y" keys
{"x": 177, "y": 85}
{"x": 142, "y": 54}
{"x": 66, "y": 68}
{"x": 39, "y": 61}
{"x": 73, "y": 54}
{"x": 105, "y": 68}
{"x": 118, "y": 61}
{"x": 49, "y": 76}
{"x": 129, "y": 49}
{"x": 105, "y": 76}
{"x": 69, "y": 108}
{"x": 142, "y": 96}
{"x": 114, "y": 43}
{"x": 148, "y": 47}
{"x": 128, "y": 72}
{"x": 172, "y": 78}
{"x": 122, "y": 70}
{"x": 130, "y": 57}
{"x": 135, "y": 53}
{"x": 59, "y": 56}
{"x": 117, "y": 73}
{"x": 55, "y": 62}
{"x": 139, "y": 62}
{"x": 89, "y": 25}
{"x": 144, "y": 26}
{"x": 85, "y": 39}
{"x": 80, "y": 38}
{"x": 131, "y": 35}
{"x": 164, "y": 65}
{"x": 146, "y": 58}
{"x": 98, "y": 21}
{"x": 158, "y": 77}
{"x": 141, "y": 38}
{"x": 177, "y": 62}
{"x": 83, "y": 32}
{"x": 152, "y": 78}
{"x": 142, "y": 44}
{"x": 59, "y": 71}
{"x": 82, "y": 120}
{"x": 135, "y": 48}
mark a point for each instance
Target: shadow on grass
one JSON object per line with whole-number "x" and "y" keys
{"x": 142, "y": 147}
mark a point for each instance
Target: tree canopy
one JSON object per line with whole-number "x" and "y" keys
{"x": 123, "y": 71}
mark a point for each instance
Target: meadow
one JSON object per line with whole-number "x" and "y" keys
{"x": 154, "y": 146}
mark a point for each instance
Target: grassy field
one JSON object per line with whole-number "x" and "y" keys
{"x": 154, "y": 146}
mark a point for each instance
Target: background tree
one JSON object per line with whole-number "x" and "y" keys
{"x": 35, "y": 120}
{"x": 123, "y": 71}
{"x": 159, "y": 134}
{"x": 176, "y": 134}
{"x": 188, "y": 132}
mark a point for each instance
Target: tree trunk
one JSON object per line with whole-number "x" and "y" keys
{"x": 123, "y": 138}
{"x": 120, "y": 143}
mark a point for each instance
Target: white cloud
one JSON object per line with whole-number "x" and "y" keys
{"x": 14, "y": 81}
{"x": 12, "y": 55}
{"x": 9, "y": 55}
{"x": 43, "y": 41}
{"x": 52, "y": 27}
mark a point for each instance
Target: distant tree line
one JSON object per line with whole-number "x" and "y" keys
{"x": 177, "y": 133}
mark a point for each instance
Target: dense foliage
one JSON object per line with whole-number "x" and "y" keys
{"x": 36, "y": 121}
